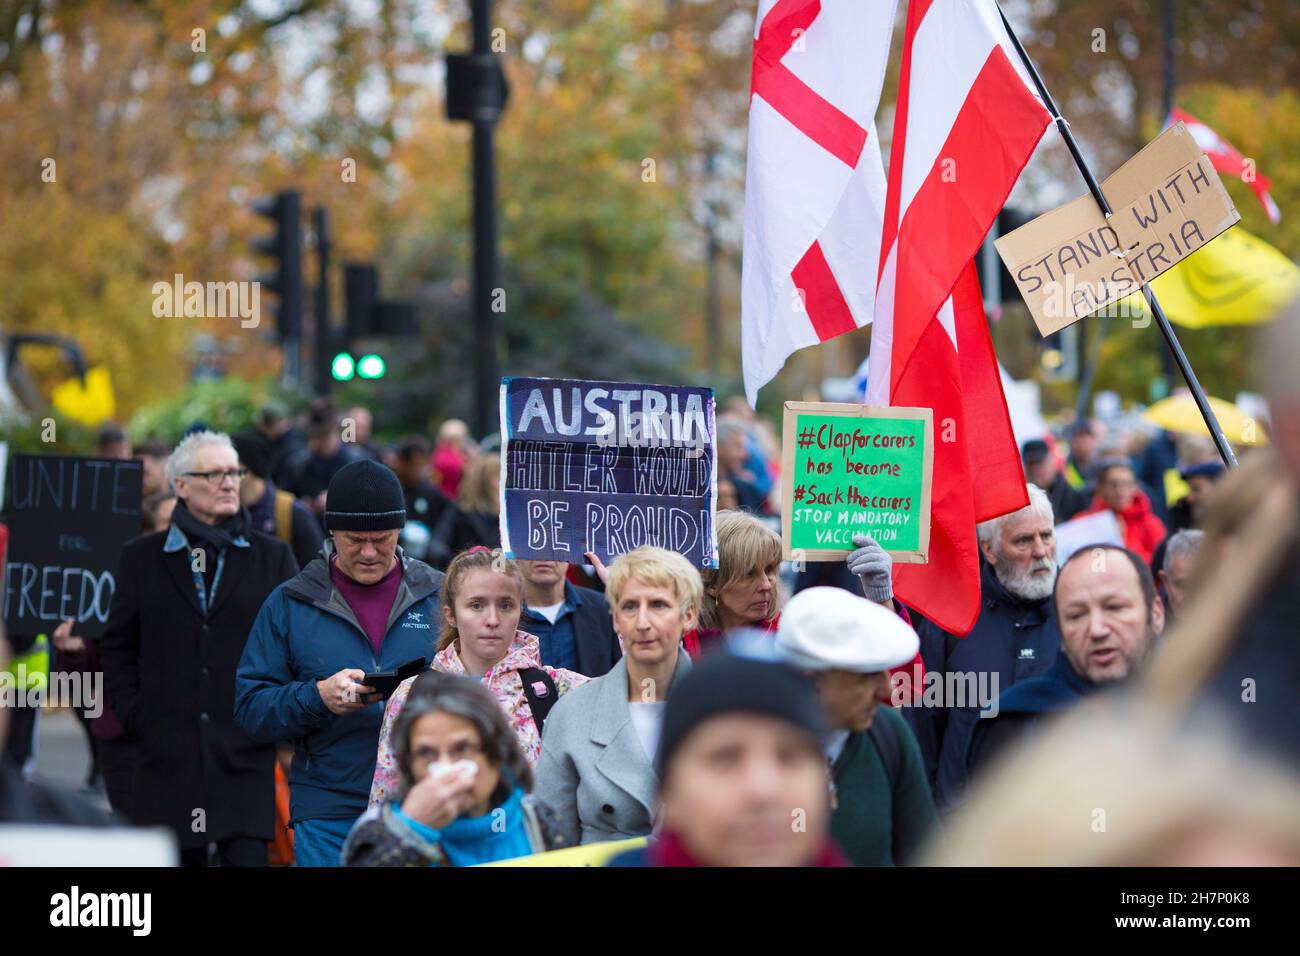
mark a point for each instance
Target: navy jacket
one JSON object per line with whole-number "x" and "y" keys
{"x": 595, "y": 645}
{"x": 305, "y": 530}
{"x": 1014, "y": 639}
{"x": 1021, "y": 707}
{"x": 304, "y": 633}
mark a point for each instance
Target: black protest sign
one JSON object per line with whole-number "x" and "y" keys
{"x": 607, "y": 467}
{"x": 68, "y": 518}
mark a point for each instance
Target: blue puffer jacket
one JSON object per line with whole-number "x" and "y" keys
{"x": 304, "y": 633}
{"x": 1021, "y": 708}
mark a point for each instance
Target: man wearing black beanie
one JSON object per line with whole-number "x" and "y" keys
{"x": 743, "y": 778}
{"x": 359, "y": 608}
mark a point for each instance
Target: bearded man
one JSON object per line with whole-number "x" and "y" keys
{"x": 1015, "y": 638}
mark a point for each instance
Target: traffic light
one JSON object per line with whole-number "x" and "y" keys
{"x": 995, "y": 280}
{"x": 285, "y": 246}
{"x": 369, "y": 317}
{"x": 371, "y": 365}
{"x": 476, "y": 87}
{"x": 360, "y": 291}
{"x": 342, "y": 367}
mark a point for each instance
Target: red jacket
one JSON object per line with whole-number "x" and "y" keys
{"x": 1143, "y": 531}
{"x": 448, "y": 469}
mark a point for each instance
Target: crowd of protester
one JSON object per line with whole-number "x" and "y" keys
{"x": 318, "y": 652}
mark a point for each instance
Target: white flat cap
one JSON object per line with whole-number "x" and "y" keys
{"x": 833, "y": 629}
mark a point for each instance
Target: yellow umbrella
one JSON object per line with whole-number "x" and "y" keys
{"x": 1180, "y": 414}
{"x": 1238, "y": 279}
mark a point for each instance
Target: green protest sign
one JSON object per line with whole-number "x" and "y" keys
{"x": 856, "y": 469}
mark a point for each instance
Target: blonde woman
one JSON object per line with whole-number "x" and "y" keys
{"x": 596, "y": 771}
{"x": 744, "y": 589}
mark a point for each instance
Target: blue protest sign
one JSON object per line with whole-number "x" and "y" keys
{"x": 607, "y": 467}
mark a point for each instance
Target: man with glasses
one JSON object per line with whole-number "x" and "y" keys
{"x": 184, "y": 602}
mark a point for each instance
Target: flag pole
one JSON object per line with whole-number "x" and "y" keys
{"x": 1089, "y": 370}
{"x": 1171, "y": 339}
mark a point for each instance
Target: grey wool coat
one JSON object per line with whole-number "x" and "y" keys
{"x": 593, "y": 773}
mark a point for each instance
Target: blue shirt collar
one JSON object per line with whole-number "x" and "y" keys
{"x": 176, "y": 541}
{"x": 572, "y": 601}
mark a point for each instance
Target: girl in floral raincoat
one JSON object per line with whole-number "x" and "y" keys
{"x": 482, "y": 599}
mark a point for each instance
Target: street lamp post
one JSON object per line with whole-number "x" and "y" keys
{"x": 476, "y": 92}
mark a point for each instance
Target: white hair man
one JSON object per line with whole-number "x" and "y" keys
{"x": 1176, "y": 570}
{"x": 185, "y": 600}
{"x": 1015, "y": 638}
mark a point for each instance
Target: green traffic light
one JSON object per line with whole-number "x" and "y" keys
{"x": 343, "y": 367}
{"x": 371, "y": 366}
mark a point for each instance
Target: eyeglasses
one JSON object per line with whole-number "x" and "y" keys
{"x": 460, "y": 750}
{"x": 217, "y": 477}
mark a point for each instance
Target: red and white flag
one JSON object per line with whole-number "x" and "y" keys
{"x": 1228, "y": 160}
{"x": 967, "y": 120}
{"x": 814, "y": 184}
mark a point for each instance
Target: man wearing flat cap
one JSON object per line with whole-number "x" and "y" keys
{"x": 883, "y": 810}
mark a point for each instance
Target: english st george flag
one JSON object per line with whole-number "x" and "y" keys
{"x": 814, "y": 184}
{"x": 967, "y": 120}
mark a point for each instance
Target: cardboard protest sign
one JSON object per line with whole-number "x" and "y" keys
{"x": 1167, "y": 202}
{"x": 68, "y": 519}
{"x": 607, "y": 467}
{"x": 856, "y": 469}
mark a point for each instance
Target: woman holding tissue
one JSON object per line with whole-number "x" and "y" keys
{"x": 482, "y": 600}
{"x": 463, "y": 796}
